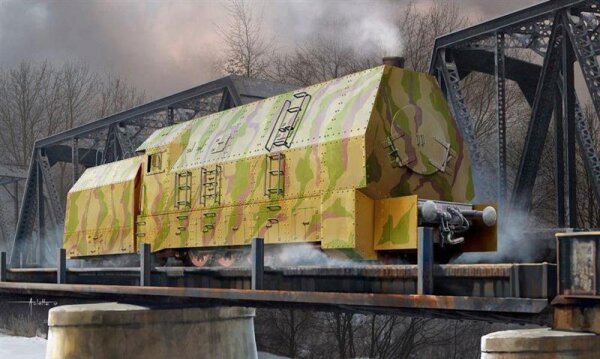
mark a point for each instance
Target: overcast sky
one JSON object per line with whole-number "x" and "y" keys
{"x": 167, "y": 46}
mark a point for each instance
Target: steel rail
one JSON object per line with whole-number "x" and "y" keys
{"x": 262, "y": 297}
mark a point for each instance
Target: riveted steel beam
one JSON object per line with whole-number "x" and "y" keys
{"x": 503, "y": 23}
{"x": 580, "y": 32}
{"x": 539, "y": 123}
{"x": 500, "y": 73}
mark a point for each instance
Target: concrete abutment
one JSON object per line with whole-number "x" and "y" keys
{"x": 539, "y": 343}
{"x": 115, "y": 330}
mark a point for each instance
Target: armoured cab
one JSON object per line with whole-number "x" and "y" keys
{"x": 342, "y": 163}
{"x": 327, "y": 163}
{"x": 101, "y": 210}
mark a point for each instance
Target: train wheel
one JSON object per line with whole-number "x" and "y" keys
{"x": 226, "y": 259}
{"x": 199, "y": 259}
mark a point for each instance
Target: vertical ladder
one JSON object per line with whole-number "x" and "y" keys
{"x": 275, "y": 176}
{"x": 183, "y": 189}
{"x": 211, "y": 186}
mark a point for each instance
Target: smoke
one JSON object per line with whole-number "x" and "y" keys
{"x": 304, "y": 254}
{"x": 161, "y": 47}
{"x": 46, "y": 250}
{"x": 166, "y": 46}
{"x": 378, "y": 35}
{"x": 518, "y": 242}
{"x": 367, "y": 27}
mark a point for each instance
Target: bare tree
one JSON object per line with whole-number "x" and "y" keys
{"x": 328, "y": 55}
{"x": 22, "y": 110}
{"x": 116, "y": 95}
{"x": 284, "y": 331}
{"x": 78, "y": 90}
{"x": 318, "y": 60}
{"x": 247, "y": 50}
{"x": 38, "y": 99}
{"x": 588, "y": 209}
{"x": 420, "y": 29}
{"x": 342, "y": 328}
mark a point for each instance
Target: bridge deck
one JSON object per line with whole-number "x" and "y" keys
{"x": 527, "y": 310}
{"x": 487, "y": 291}
{"x": 536, "y": 280}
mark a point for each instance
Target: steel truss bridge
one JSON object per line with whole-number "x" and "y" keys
{"x": 561, "y": 33}
{"x": 41, "y": 216}
{"x": 10, "y": 176}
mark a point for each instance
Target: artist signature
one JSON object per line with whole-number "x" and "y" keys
{"x": 35, "y": 303}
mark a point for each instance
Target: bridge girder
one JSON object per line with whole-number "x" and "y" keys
{"x": 562, "y": 33}
{"x": 105, "y": 140}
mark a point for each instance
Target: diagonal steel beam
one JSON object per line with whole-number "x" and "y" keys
{"x": 51, "y": 191}
{"x": 109, "y": 152}
{"x": 160, "y": 104}
{"x": 463, "y": 118}
{"x": 524, "y": 73}
{"x": 539, "y": 123}
{"x": 24, "y": 231}
{"x": 585, "y": 52}
{"x": 125, "y": 145}
{"x": 502, "y": 23}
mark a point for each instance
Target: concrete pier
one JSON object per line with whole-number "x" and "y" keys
{"x": 539, "y": 343}
{"x": 114, "y": 330}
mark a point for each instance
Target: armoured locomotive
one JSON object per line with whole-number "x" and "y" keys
{"x": 353, "y": 165}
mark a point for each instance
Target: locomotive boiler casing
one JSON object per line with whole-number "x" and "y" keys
{"x": 340, "y": 163}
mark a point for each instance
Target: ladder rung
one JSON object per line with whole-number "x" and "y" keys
{"x": 294, "y": 109}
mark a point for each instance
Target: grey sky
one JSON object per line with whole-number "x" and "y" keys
{"x": 166, "y": 46}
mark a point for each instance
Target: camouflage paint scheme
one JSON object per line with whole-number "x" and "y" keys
{"x": 101, "y": 207}
{"x": 340, "y": 163}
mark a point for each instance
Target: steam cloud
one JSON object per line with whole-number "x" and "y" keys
{"x": 162, "y": 47}
{"x": 368, "y": 27}
{"x": 380, "y": 32}
{"x": 305, "y": 254}
{"x": 516, "y": 243}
